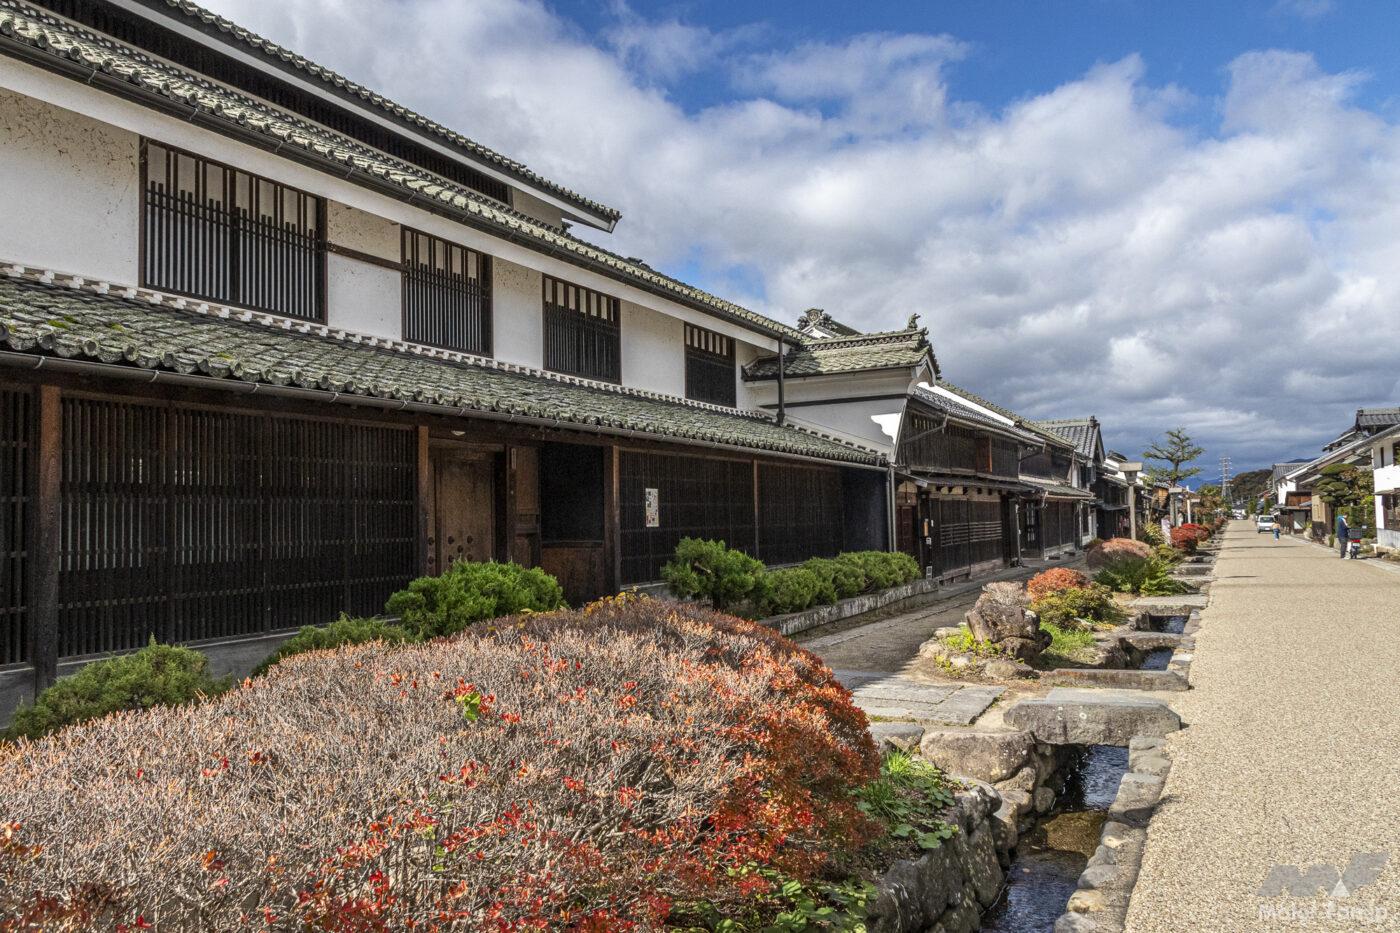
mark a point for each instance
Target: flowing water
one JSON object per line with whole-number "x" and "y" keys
{"x": 1157, "y": 660}
{"x": 1049, "y": 860}
{"x": 1172, "y": 625}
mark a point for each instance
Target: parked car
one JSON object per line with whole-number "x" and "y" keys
{"x": 1239, "y": 514}
{"x": 1264, "y": 523}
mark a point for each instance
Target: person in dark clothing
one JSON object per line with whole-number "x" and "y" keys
{"x": 1342, "y": 534}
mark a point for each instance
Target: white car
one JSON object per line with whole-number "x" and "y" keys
{"x": 1264, "y": 523}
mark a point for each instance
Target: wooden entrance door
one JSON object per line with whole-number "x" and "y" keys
{"x": 463, "y": 513}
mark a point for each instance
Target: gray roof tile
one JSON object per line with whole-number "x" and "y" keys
{"x": 862, "y": 353}
{"x": 81, "y": 323}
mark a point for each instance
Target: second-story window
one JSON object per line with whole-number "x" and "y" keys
{"x": 446, "y": 294}
{"x": 214, "y": 232}
{"x": 582, "y": 331}
{"x": 709, "y": 366}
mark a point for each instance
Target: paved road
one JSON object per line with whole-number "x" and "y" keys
{"x": 1292, "y": 755}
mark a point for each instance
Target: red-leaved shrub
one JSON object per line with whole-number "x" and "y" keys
{"x": 1200, "y": 531}
{"x": 572, "y": 771}
{"x": 1184, "y": 539}
{"x": 1055, "y": 580}
{"x": 1114, "y": 550}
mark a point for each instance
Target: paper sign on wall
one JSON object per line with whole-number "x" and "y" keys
{"x": 653, "y": 508}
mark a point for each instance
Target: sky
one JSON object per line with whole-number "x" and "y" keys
{"x": 1164, "y": 214}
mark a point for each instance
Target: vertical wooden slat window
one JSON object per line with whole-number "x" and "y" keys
{"x": 699, "y": 497}
{"x": 190, "y": 524}
{"x": 970, "y": 533}
{"x": 800, "y": 512}
{"x": 217, "y": 233}
{"x": 16, "y": 462}
{"x": 582, "y": 331}
{"x": 446, "y": 294}
{"x": 709, "y": 366}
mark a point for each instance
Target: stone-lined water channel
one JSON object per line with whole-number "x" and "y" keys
{"x": 1049, "y": 860}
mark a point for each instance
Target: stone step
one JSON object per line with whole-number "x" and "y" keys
{"x": 1086, "y": 716}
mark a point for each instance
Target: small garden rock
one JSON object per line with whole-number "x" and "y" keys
{"x": 987, "y": 756}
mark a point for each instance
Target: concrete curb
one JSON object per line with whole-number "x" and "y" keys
{"x": 795, "y": 622}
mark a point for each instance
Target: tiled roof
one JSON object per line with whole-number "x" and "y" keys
{"x": 816, "y": 318}
{"x": 966, "y": 414}
{"x": 1007, "y": 413}
{"x": 898, "y": 349}
{"x": 277, "y": 55}
{"x": 80, "y": 322}
{"x": 1080, "y": 432}
{"x": 1057, "y": 490}
{"x": 1377, "y": 417}
{"x": 110, "y": 64}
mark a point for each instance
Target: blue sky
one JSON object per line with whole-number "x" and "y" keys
{"x": 1170, "y": 214}
{"x": 1023, "y": 47}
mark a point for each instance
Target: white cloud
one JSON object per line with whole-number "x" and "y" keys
{"x": 1078, "y": 252}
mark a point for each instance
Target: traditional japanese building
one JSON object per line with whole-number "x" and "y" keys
{"x": 272, "y": 344}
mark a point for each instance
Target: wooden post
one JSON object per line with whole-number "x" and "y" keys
{"x": 612, "y": 518}
{"x": 47, "y": 540}
{"x": 425, "y": 498}
{"x": 757, "y": 514}
{"x": 512, "y": 509}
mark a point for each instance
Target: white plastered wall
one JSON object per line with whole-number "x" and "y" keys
{"x": 517, "y": 314}
{"x": 361, "y": 296}
{"x": 70, "y": 195}
{"x": 653, "y": 350}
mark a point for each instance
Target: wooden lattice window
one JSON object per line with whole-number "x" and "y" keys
{"x": 16, "y": 462}
{"x": 188, "y": 523}
{"x": 800, "y": 511}
{"x": 709, "y": 366}
{"x": 582, "y": 331}
{"x": 446, "y": 294}
{"x": 214, "y": 232}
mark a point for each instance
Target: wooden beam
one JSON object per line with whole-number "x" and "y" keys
{"x": 45, "y": 553}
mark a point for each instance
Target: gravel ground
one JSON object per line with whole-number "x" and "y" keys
{"x": 1292, "y": 751}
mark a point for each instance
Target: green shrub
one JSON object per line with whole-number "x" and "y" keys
{"x": 1149, "y": 576}
{"x": 845, "y": 577}
{"x": 157, "y": 675}
{"x": 882, "y": 569}
{"x": 712, "y": 571}
{"x": 472, "y": 592}
{"x": 343, "y": 631}
{"x": 793, "y": 589}
{"x": 1168, "y": 554}
{"x": 1065, "y": 608}
{"x": 1151, "y": 534}
{"x": 1066, "y": 644}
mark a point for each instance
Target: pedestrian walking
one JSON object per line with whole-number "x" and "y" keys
{"x": 1343, "y": 533}
{"x": 1276, "y": 529}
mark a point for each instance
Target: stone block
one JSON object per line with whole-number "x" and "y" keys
{"x": 1070, "y": 716}
{"x": 987, "y": 756}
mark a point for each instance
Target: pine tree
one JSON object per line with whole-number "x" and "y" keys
{"x": 1177, "y": 451}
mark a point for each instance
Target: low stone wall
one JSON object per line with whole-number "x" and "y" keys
{"x": 795, "y": 622}
{"x": 237, "y": 657}
{"x": 1027, "y": 775}
{"x": 947, "y": 888}
{"x": 1100, "y": 905}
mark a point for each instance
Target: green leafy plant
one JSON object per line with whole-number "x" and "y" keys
{"x": 781, "y": 904}
{"x": 792, "y": 590}
{"x": 1093, "y": 604}
{"x": 472, "y": 592}
{"x": 157, "y": 675}
{"x": 343, "y": 631}
{"x": 1068, "y": 640}
{"x": 882, "y": 569}
{"x": 712, "y": 571}
{"x": 1150, "y": 534}
{"x": 1149, "y": 576}
{"x": 845, "y": 577}
{"x": 964, "y": 643}
{"x": 907, "y": 798}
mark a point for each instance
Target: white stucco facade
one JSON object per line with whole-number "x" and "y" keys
{"x": 70, "y": 155}
{"x": 76, "y": 183}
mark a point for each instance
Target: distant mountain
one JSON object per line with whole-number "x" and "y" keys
{"x": 1250, "y": 485}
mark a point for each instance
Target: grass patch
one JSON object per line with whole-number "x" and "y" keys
{"x": 1069, "y": 646}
